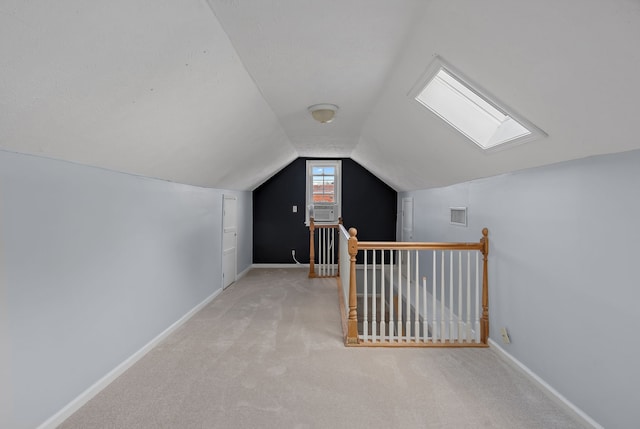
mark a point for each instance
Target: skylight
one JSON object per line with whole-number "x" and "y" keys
{"x": 481, "y": 119}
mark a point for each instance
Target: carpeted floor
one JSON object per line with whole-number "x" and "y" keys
{"x": 268, "y": 353}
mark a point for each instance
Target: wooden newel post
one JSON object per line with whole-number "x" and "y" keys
{"x": 312, "y": 251}
{"x": 484, "y": 322}
{"x": 352, "y": 323}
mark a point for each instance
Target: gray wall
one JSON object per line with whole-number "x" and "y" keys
{"x": 563, "y": 272}
{"x": 93, "y": 265}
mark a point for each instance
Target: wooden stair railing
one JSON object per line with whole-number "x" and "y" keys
{"x": 327, "y": 251}
{"x": 425, "y": 322}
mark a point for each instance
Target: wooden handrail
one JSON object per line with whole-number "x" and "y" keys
{"x": 410, "y": 245}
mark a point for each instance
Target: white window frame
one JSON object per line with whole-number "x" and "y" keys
{"x": 439, "y": 64}
{"x": 337, "y": 164}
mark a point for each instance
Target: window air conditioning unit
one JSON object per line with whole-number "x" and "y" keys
{"x": 325, "y": 213}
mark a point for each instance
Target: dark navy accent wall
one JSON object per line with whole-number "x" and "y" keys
{"x": 367, "y": 204}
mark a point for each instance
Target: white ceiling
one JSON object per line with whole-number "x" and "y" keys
{"x": 215, "y": 93}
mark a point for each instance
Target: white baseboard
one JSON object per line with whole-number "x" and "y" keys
{"x": 243, "y": 273}
{"x": 280, "y": 266}
{"x": 99, "y": 385}
{"x": 544, "y": 385}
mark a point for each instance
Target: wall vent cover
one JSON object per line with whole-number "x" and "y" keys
{"x": 458, "y": 216}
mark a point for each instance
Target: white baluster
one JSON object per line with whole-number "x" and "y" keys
{"x": 333, "y": 251}
{"x": 383, "y": 308}
{"x": 399, "y": 322}
{"x": 434, "y": 324}
{"x": 324, "y": 251}
{"x": 477, "y": 298}
{"x": 451, "y": 296}
{"x": 320, "y": 250}
{"x": 329, "y": 251}
{"x": 425, "y": 315}
{"x": 374, "y": 294}
{"x": 365, "y": 312}
{"x": 443, "y": 328}
{"x": 460, "y": 327}
{"x": 408, "y": 313}
{"x": 391, "y": 310}
{"x": 416, "y": 307}
{"x": 468, "y": 321}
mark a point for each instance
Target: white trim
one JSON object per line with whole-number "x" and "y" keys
{"x": 280, "y": 266}
{"x": 544, "y": 385}
{"x": 438, "y": 64}
{"x": 73, "y": 406}
{"x": 225, "y": 230}
{"x": 458, "y": 209}
{"x": 335, "y": 163}
{"x": 243, "y": 273}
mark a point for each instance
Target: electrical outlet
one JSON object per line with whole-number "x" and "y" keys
{"x": 505, "y": 336}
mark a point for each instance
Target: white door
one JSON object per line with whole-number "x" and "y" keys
{"x": 407, "y": 219}
{"x": 229, "y": 240}
{"x": 407, "y": 230}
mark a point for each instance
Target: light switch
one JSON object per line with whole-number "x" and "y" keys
{"x": 295, "y": 209}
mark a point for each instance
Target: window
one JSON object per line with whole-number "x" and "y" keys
{"x": 324, "y": 180}
{"x": 479, "y": 117}
{"x": 323, "y": 191}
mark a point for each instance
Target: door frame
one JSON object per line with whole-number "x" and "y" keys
{"x": 402, "y": 223}
{"x": 226, "y": 229}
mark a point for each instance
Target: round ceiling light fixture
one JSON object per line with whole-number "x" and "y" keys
{"x": 323, "y": 113}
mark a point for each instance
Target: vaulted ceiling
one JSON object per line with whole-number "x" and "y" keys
{"x": 215, "y": 93}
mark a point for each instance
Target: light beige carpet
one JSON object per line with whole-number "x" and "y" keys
{"x": 268, "y": 353}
